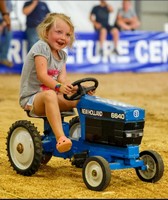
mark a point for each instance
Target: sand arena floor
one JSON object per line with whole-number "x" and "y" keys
{"x": 59, "y": 179}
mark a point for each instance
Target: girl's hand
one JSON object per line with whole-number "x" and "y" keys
{"x": 66, "y": 88}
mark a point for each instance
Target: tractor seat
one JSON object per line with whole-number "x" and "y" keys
{"x": 63, "y": 114}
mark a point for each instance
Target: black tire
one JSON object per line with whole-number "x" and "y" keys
{"x": 75, "y": 133}
{"x": 96, "y": 173}
{"x": 154, "y": 164}
{"x": 46, "y": 158}
{"x": 24, "y": 147}
{"x": 75, "y": 128}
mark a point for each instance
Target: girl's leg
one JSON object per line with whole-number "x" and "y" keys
{"x": 46, "y": 103}
{"x": 66, "y": 105}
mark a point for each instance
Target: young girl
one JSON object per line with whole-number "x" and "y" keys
{"x": 44, "y": 78}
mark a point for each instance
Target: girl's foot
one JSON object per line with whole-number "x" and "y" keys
{"x": 63, "y": 144}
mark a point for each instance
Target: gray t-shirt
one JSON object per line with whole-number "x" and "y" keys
{"x": 129, "y": 14}
{"x": 29, "y": 84}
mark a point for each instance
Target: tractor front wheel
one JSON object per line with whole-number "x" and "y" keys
{"x": 96, "y": 173}
{"x": 154, "y": 167}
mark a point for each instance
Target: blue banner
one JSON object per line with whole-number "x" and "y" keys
{"x": 140, "y": 51}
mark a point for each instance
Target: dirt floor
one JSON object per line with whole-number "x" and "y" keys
{"x": 59, "y": 179}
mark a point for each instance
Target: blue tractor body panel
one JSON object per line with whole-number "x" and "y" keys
{"x": 110, "y": 129}
{"x": 114, "y": 109}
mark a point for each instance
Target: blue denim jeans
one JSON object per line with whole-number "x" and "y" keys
{"x": 32, "y": 37}
{"x": 5, "y": 40}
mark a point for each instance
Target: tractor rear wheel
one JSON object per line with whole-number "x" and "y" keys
{"x": 24, "y": 147}
{"x": 75, "y": 128}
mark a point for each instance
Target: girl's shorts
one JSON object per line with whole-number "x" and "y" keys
{"x": 29, "y": 106}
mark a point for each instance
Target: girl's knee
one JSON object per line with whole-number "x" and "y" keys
{"x": 50, "y": 95}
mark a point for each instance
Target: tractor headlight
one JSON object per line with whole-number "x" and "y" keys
{"x": 134, "y": 134}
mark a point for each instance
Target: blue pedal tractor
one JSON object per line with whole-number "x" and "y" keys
{"x": 105, "y": 135}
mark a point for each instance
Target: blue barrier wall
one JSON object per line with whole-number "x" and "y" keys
{"x": 140, "y": 51}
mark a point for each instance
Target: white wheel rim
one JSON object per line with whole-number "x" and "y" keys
{"x": 93, "y": 174}
{"x": 21, "y": 148}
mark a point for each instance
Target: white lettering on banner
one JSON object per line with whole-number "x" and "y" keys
{"x": 165, "y": 51}
{"x": 79, "y": 51}
{"x": 18, "y": 50}
{"x": 141, "y": 53}
{"x": 124, "y": 51}
{"x": 92, "y": 55}
{"x": 71, "y": 59}
{"x": 86, "y": 51}
{"x": 14, "y": 52}
{"x": 154, "y": 51}
{"x": 89, "y": 54}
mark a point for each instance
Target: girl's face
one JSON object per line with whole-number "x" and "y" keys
{"x": 59, "y": 35}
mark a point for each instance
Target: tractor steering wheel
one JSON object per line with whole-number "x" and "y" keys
{"x": 81, "y": 89}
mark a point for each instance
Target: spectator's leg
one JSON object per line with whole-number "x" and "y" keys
{"x": 5, "y": 45}
{"x": 115, "y": 35}
{"x": 32, "y": 37}
{"x": 102, "y": 39}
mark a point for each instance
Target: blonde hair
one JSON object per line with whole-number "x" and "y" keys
{"x": 49, "y": 20}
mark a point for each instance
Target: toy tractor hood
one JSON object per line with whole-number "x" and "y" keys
{"x": 104, "y": 108}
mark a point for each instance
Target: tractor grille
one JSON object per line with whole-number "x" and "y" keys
{"x": 114, "y": 132}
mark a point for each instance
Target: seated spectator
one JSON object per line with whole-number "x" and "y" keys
{"x": 126, "y": 18}
{"x": 99, "y": 16}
